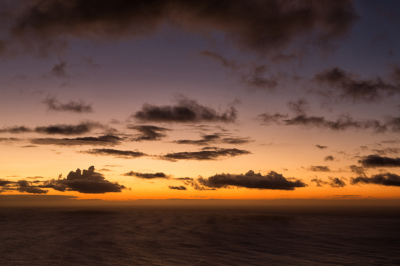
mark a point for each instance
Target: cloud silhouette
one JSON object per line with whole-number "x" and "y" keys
{"x": 215, "y": 138}
{"x": 116, "y": 153}
{"x": 184, "y": 111}
{"x": 213, "y": 154}
{"x": 102, "y": 140}
{"x": 158, "y": 175}
{"x": 251, "y": 180}
{"x": 177, "y": 187}
{"x": 76, "y": 107}
{"x": 385, "y": 179}
{"x": 149, "y": 132}
{"x": 319, "y": 168}
{"x": 378, "y": 161}
{"x": 329, "y": 158}
{"x": 333, "y": 182}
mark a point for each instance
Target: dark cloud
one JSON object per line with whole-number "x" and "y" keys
{"x": 385, "y": 179}
{"x": 329, "y": 158}
{"x": 378, "y": 161}
{"x": 59, "y": 70}
{"x": 64, "y": 129}
{"x": 77, "y": 107}
{"x": 21, "y": 186}
{"x": 251, "y": 180}
{"x": 116, "y": 153}
{"x": 386, "y": 151}
{"x": 158, "y": 175}
{"x": 343, "y": 122}
{"x": 352, "y": 88}
{"x": 359, "y": 170}
{"x": 214, "y": 139}
{"x": 298, "y": 107}
{"x": 86, "y": 181}
{"x": 321, "y": 147}
{"x": 102, "y": 140}
{"x": 333, "y": 182}
{"x": 319, "y": 168}
{"x": 278, "y": 27}
{"x": 15, "y": 129}
{"x": 177, "y": 187}
{"x": 149, "y": 132}
{"x": 184, "y": 111}
{"x": 203, "y": 155}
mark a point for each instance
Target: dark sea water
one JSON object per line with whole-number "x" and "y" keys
{"x": 199, "y": 236}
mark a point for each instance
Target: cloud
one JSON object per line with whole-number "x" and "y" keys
{"x": 77, "y": 107}
{"x": 213, "y": 154}
{"x": 158, "y": 175}
{"x": 86, "y": 181}
{"x": 177, "y": 187}
{"x": 214, "y": 139}
{"x": 319, "y": 168}
{"x": 321, "y": 147}
{"x": 149, "y": 132}
{"x": 385, "y": 179}
{"x": 334, "y": 182}
{"x": 102, "y": 140}
{"x": 9, "y": 140}
{"x": 358, "y": 170}
{"x": 298, "y": 107}
{"x": 21, "y": 186}
{"x": 116, "y": 153}
{"x": 386, "y": 151}
{"x": 343, "y": 122}
{"x": 351, "y": 88}
{"x": 65, "y": 129}
{"x": 184, "y": 111}
{"x": 329, "y": 158}
{"x": 265, "y": 27}
{"x": 251, "y": 180}
{"x": 378, "y": 161}
{"x": 59, "y": 70}
{"x": 15, "y": 129}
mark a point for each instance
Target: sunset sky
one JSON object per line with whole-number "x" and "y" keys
{"x": 213, "y": 99}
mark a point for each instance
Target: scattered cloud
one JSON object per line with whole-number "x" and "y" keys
{"x": 59, "y": 70}
{"x": 251, "y": 180}
{"x": 184, "y": 111}
{"x": 352, "y": 88}
{"x": 177, "y": 187}
{"x": 76, "y": 107}
{"x": 321, "y": 147}
{"x": 319, "y": 168}
{"x": 102, "y": 140}
{"x": 384, "y": 179}
{"x": 215, "y": 138}
{"x": 211, "y": 154}
{"x": 378, "y": 161}
{"x": 158, "y": 175}
{"x": 148, "y": 132}
{"x": 64, "y": 129}
{"x": 329, "y": 158}
{"x": 334, "y": 182}
{"x": 116, "y": 153}
{"x": 15, "y": 129}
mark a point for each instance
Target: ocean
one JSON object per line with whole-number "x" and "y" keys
{"x": 199, "y": 235}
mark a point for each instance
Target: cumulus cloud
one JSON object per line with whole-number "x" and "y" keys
{"x": 102, "y": 140}
{"x": 378, "y": 161}
{"x": 158, "y": 175}
{"x": 385, "y": 179}
{"x": 77, "y": 107}
{"x": 184, "y": 111}
{"x": 177, "y": 187}
{"x": 251, "y": 180}
{"x": 350, "y": 87}
{"x": 210, "y": 154}
{"x": 86, "y": 181}
{"x": 334, "y": 182}
{"x": 265, "y": 27}
{"x": 148, "y": 132}
{"x": 216, "y": 138}
{"x": 116, "y": 153}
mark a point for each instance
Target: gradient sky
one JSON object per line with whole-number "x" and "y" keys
{"x": 214, "y": 99}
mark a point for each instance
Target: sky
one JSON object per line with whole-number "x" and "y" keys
{"x": 215, "y": 99}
